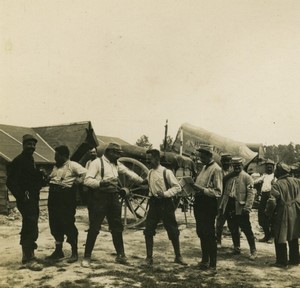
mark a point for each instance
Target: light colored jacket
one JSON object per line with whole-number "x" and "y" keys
{"x": 244, "y": 193}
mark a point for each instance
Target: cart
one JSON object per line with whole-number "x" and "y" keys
{"x": 134, "y": 198}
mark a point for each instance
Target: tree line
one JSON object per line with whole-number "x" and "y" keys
{"x": 289, "y": 154}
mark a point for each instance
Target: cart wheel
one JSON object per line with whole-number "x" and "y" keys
{"x": 134, "y": 198}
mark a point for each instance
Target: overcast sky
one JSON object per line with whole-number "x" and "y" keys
{"x": 231, "y": 67}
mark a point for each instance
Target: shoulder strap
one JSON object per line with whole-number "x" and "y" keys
{"x": 102, "y": 168}
{"x": 165, "y": 179}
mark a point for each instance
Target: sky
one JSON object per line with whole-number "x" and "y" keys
{"x": 229, "y": 66}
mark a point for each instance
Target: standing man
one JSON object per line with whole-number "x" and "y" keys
{"x": 284, "y": 208}
{"x": 163, "y": 185}
{"x": 236, "y": 204}
{"x": 87, "y": 191}
{"x": 62, "y": 202}
{"x": 24, "y": 181}
{"x": 221, "y": 219}
{"x": 267, "y": 179}
{"x": 208, "y": 188}
{"x": 102, "y": 177}
{"x": 92, "y": 157}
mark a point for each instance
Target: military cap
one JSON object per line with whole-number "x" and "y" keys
{"x": 237, "y": 160}
{"x": 28, "y": 137}
{"x": 114, "y": 146}
{"x": 206, "y": 148}
{"x": 269, "y": 161}
{"x": 286, "y": 168}
{"x": 63, "y": 150}
{"x": 225, "y": 156}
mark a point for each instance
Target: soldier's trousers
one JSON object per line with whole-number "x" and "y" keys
{"x": 62, "y": 210}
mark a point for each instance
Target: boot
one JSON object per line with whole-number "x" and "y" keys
{"x": 90, "y": 243}
{"x": 57, "y": 254}
{"x": 74, "y": 256}
{"x": 26, "y": 254}
{"x": 29, "y": 260}
{"x": 149, "y": 251}
{"x": 178, "y": 258}
{"x": 119, "y": 247}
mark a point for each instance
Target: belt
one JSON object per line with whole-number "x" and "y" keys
{"x": 59, "y": 187}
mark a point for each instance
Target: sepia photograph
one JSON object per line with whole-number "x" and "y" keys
{"x": 148, "y": 143}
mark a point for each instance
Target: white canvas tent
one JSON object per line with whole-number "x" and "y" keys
{"x": 189, "y": 138}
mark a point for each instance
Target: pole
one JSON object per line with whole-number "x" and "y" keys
{"x": 181, "y": 141}
{"x": 166, "y": 135}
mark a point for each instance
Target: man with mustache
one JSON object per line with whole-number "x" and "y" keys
{"x": 102, "y": 178}
{"x": 24, "y": 181}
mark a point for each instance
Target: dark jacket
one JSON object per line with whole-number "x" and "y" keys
{"x": 24, "y": 176}
{"x": 284, "y": 208}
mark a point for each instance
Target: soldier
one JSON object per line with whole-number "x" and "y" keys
{"x": 163, "y": 185}
{"x": 266, "y": 181}
{"x": 25, "y": 181}
{"x": 62, "y": 202}
{"x": 221, "y": 219}
{"x": 208, "y": 188}
{"x": 236, "y": 204}
{"x": 283, "y": 207}
{"x": 102, "y": 177}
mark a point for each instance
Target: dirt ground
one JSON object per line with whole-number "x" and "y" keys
{"x": 233, "y": 271}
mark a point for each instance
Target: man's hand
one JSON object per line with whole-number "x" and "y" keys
{"x": 160, "y": 194}
{"x": 199, "y": 189}
{"x": 245, "y": 211}
{"x": 108, "y": 182}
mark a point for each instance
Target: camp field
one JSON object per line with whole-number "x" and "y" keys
{"x": 233, "y": 271}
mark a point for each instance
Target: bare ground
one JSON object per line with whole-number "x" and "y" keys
{"x": 233, "y": 271}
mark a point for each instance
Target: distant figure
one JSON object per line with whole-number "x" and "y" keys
{"x": 86, "y": 194}
{"x": 62, "y": 202}
{"x": 221, "y": 218}
{"x": 236, "y": 204}
{"x": 102, "y": 177}
{"x": 283, "y": 207}
{"x": 24, "y": 181}
{"x": 208, "y": 188}
{"x": 163, "y": 185}
{"x": 266, "y": 181}
{"x": 92, "y": 157}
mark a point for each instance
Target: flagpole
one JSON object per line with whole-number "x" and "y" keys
{"x": 166, "y": 135}
{"x": 181, "y": 141}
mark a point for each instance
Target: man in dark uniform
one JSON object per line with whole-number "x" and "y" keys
{"x": 283, "y": 207}
{"x": 24, "y": 181}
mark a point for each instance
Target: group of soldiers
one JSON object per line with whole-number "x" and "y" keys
{"x": 221, "y": 194}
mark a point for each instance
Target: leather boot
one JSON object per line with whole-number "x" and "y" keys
{"x": 74, "y": 256}
{"x": 178, "y": 258}
{"x": 149, "y": 251}
{"x": 119, "y": 247}
{"x": 149, "y": 246}
{"x": 90, "y": 243}
{"x": 57, "y": 253}
{"x": 29, "y": 260}
{"x": 26, "y": 254}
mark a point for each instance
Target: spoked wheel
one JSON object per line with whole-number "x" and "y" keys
{"x": 184, "y": 201}
{"x": 134, "y": 198}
